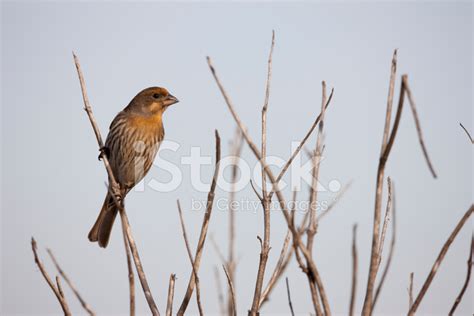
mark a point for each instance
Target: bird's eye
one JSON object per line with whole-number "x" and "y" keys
{"x": 156, "y": 96}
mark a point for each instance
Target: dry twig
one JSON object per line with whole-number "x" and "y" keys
{"x": 297, "y": 243}
{"x": 265, "y": 249}
{"x": 390, "y": 251}
{"x": 466, "y": 282}
{"x": 467, "y": 133}
{"x": 232, "y": 290}
{"x": 169, "y": 303}
{"x": 56, "y": 289}
{"x": 191, "y": 259}
{"x": 115, "y": 192}
{"x": 70, "y": 284}
{"x": 204, "y": 229}
{"x": 355, "y": 261}
{"x": 289, "y": 297}
{"x": 410, "y": 291}
{"x": 438, "y": 261}
{"x": 386, "y": 147}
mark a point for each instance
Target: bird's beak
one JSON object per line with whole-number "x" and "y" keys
{"x": 170, "y": 100}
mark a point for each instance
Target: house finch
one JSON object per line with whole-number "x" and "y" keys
{"x": 131, "y": 146}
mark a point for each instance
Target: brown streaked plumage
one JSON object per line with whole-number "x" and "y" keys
{"x": 131, "y": 146}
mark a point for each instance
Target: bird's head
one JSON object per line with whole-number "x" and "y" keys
{"x": 150, "y": 101}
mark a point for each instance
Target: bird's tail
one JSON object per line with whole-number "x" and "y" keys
{"x": 103, "y": 225}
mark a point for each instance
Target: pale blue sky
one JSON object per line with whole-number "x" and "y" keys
{"x": 53, "y": 185}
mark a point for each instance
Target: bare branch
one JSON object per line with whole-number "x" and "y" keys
{"x": 70, "y": 284}
{"x": 169, "y": 303}
{"x": 231, "y": 264}
{"x": 386, "y": 220}
{"x": 289, "y": 297}
{"x": 265, "y": 249}
{"x": 410, "y": 291}
{"x": 300, "y": 146}
{"x": 390, "y": 251}
{"x": 60, "y": 288}
{"x": 354, "y": 270}
{"x": 418, "y": 127}
{"x": 204, "y": 229}
{"x": 232, "y": 290}
{"x": 131, "y": 277}
{"x": 115, "y": 192}
{"x": 56, "y": 290}
{"x": 391, "y": 89}
{"x": 438, "y": 261}
{"x": 467, "y": 133}
{"x": 191, "y": 259}
{"x": 135, "y": 255}
{"x": 297, "y": 243}
{"x": 468, "y": 277}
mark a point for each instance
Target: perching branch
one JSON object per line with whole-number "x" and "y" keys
{"x": 56, "y": 289}
{"x": 70, "y": 284}
{"x": 204, "y": 229}
{"x": 115, "y": 192}
{"x": 438, "y": 261}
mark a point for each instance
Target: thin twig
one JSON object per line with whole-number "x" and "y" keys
{"x": 385, "y": 152}
{"x": 386, "y": 220}
{"x": 169, "y": 303}
{"x": 115, "y": 192}
{"x": 56, "y": 290}
{"x": 466, "y": 282}
{"x": 391, "y": 90}
{"x": 300, "y": 146}
{"x": 230, "y": 262}
{"x": 191, "y": 259}
{"x": 410, "y": 291}
{"x": 217, "y": 249}
{"x": 355, "y": 261}
{"x": 313, "y": 224}
{"x": 204, "y": 229}
{"x": 297, "y": 243}
{"x": 131, "y": 277}
{"x": 418, "y": 127}
{"x": 135, "y": 255}
{"x": 390, "y": 251}
{"x": 265, "y": 249}
{"x": 70, "y": 284}
{"x": 438, "y": 261}
{"x": 289, "y": 297}
{"x": 467, "y": 133}
{"x": 232, "y": 290}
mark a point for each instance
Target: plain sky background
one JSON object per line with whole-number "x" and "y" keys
{"x": 53, "y": 185}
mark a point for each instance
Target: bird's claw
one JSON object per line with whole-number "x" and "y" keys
{"x": 103, "y": 151}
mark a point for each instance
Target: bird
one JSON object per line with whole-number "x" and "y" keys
{"x": 131, "y": 146}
